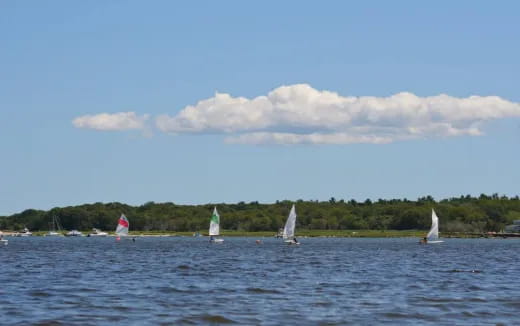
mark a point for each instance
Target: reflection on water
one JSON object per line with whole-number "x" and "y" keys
{"x": 90, "y": 281}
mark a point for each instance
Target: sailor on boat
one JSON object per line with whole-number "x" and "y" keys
{"x": 424, "y": 240}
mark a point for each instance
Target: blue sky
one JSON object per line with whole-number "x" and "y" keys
{"x": 64, "y": 60}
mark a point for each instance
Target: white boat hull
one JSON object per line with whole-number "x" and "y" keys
{"x": 435, "y": 241}
{"x": 217, "y": 240}
{"x": 74, "y": 235}
{"x": 54, "y": 234}
{"x": 22, "y": 235}
{"x": 4, "y": 242}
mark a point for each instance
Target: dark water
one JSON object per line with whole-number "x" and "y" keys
{"x": 93, "y": 281}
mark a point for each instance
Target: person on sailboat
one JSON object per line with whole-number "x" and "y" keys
{"x": 211, "y": 238}
{"x": 424, "y": 240}
{"x": 295, "y": 241}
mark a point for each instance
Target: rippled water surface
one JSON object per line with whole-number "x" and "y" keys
{"x": 181, "y": 280}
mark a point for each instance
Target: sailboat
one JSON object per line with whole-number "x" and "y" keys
{"x": 55, "y": 229}
{"x": 122, "y": 227}
{"x": 214, "y": 227}
{"x": 288, "y": 230}
{"x": 433, "y": 235}
{"x": 2, "y": 240}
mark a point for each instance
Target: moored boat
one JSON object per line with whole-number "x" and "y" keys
{"x": 74, "y": 233}
{"x": 24, "y": 233}
{"x": 97, "y": 233}
{"x": 55, "y": 228}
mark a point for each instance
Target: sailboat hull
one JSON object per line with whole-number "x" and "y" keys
{"x": 436, "y": 241}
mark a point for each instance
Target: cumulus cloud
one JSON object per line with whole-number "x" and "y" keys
{"x": 300, "y": 114}
{"x": 111, "y": 121}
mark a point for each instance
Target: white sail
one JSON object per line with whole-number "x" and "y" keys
{"x": 214, "y": 224}
{"x": 288, "y": 230}
{"x": 434, "y": 231}
{"x": 122, "y": 226}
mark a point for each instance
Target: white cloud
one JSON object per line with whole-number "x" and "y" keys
{"x": 301, "y": 114}
{"x": 314, "y": 138}
{"x": 114, "y": 121}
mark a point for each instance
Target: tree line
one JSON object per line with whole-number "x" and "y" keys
{"x": 460, "y": 214}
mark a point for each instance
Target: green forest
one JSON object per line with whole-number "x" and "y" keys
{"x": 462, "y": 214}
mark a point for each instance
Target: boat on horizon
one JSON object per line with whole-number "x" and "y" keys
{"x": 74, "y": 233}
{"x": 97, "y": 233}
{"x": 24, "y": 233}
{"x": 55, "y": 228}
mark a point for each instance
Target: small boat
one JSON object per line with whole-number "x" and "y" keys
{"x": 433, "y": 235}
{"x": 214, "y": 227}
{"x": 53, "y": 234}
{"x": 74, "y": 233}
{"x": 24, "y": 233}
{"x": 288, "y": 230}
{"x": 122, "y": 227}
{"x": 97, "y": 233}
{"x": 2, "y": 240}
{"x": 55, "y": 228}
